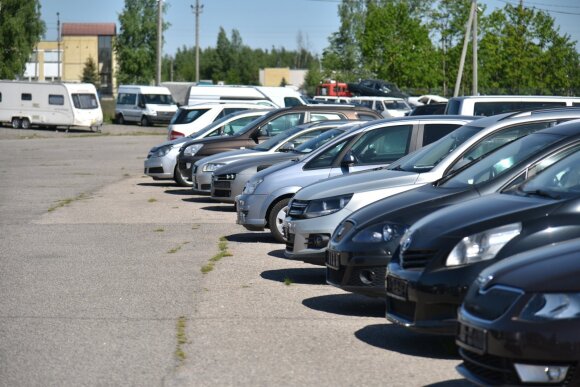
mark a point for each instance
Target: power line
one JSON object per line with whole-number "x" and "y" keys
{"x": 541, "y": 9}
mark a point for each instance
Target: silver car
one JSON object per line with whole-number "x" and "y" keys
{"x": 161, "y": 162}
{"x": 316, "y": 210}
{"x": 377, "y": 143}
{"x": 203, "y": 169}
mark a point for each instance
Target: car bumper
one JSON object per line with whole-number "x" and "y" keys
{"x": 490, "y": 350}
{"x": 161, "y": 118}
{"x": 186, "y": 165}
{"x": 251, "y": 212}
{"x": 227, "y": 190}
{"x": 202, "y": 181}
{"x": 307, "y": 239}
{"x": 160, "y": 167}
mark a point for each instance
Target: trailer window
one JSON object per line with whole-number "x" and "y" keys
{"x": 26, "y": 97}
{"x": 85, "y": 101}
{"x": 55, "y": 99}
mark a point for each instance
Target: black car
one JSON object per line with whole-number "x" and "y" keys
{"x": 442, "y": 254}
{"x": 374, "y": 231}
{"x": 427, "y": 110}
{"x": 265, "y": 127}
{"x": 376, "y": 88}
{"x": 518, "y": 324}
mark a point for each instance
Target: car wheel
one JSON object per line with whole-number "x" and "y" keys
{"x": 144, "y": 121}
{"x": 120, "y": 119}
{"x": 276, "y": 219}
{"x": 25, "y": 123}
{"x": 16, "y": 122}
{"x": 180, "y": 177}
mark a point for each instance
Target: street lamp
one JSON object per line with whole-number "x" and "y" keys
{"x": 58, "y": 43}
{"x": 196, "y": 10}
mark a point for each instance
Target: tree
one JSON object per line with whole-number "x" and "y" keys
{"x": 20, "y": 30}
{"x": 90, "y": 72}
{"x": 136, "y": 44}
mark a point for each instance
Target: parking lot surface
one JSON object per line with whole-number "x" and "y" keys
{"x": 102, "y": 282}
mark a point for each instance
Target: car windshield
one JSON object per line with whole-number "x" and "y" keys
{"x": 500, "y": 161}
{"x": 559, "y": 181}
{"x": 279, "y": 138}
{"x": 158, "y": 99}
{"x": 427, "y": 158}
{"x": 317, "y": 141}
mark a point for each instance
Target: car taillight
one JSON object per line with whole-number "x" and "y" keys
{"x": 175, "y": 134}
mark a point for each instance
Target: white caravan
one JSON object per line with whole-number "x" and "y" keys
{"x": 24, "y": 104}
{"x": 280, "y": 96}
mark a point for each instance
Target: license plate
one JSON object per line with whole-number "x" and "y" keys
{"x": 333, "y": 259}
{"x": 188, "y": 165}
{"x": 397, "y": 288}
{"x": 472, "y": 337}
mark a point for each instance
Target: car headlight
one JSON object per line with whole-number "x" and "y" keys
{"x": 552, "y": 306}
{"x": 251, "y": 186}
{"x": 210, "y": 167}
{"x": 482, "y": 246}
{"x": 385, "y": 232}
{"x": 326, "y": 206}
{"x": 192, "y": 149}
{"x": 162, "y": 151}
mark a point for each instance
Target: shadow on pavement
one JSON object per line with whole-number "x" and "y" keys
{"x": 399, "y": 339}
{"x": 251, "y": 237}
{"x": 219, "y": 208}
{"x": 179, "y": 191}
{"x": 306, "y": 276}
{"x": 452, "y": 383}
{"x": 198, "y": 199}
{"x": 278, "y": 254}
{"x": 167, "y": 183}
{"x": 347, "y": 304}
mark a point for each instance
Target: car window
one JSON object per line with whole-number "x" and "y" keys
{"x": 302, "y": 138}
{"x": 433, "y": 132}
{"x": 325, "y": 117}
{"x": 326, "y": 158}
{"x": 317, "y": 141}
{"x": 545, "y": 163}
{"x": 493, "y": 108}
{"x": 497, "y": 139}
{"x": 232, "y": 127}
{"x": 383, "y": 145}
{"x": 281, "y": 123}
{"x": 185, "y": 116}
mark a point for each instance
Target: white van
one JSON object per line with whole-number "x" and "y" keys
{"x": 144, "y": 104}
{"x": 23, "y": 104}
{"x": 386, "y": 106}
{"x": 280, "y": 96}
{"x": 489, "y": 105}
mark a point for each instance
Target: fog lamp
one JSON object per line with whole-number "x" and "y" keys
{"x": 530, "y": 373}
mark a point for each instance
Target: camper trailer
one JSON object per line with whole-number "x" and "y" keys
{"x": 25, "y": 104}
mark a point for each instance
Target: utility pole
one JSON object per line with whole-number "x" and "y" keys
{"x": 197, "y": 11}
{"x": 58, "y": 43}
{"x": 474, "y": 86}
{"x": 464, "y": 51}
{"x": 159, "y": 41}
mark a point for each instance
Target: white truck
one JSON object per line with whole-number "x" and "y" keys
{"x": 24, "y": 104}
{"x": 267, "y": 95}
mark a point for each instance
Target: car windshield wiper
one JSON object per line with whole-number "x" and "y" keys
{"x": 542, "y": 193}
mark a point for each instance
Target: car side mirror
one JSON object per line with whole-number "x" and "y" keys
{"x": 348, "y": 160}
{"x": 288, "y": 147}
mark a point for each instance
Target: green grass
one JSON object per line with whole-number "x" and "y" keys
{"x": 288, "y": 281}
{"x": 181, "y": 339}
{"x": 152, "y": 200}
{"x": 159, "y": 230}
{"x": 223, "y": 252}
{"x": 66, "y": 202}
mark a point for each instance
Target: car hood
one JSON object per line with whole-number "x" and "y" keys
{"x": 552, "y": 268}
{"x": 356, "y": 182}
{"x": 255, "y": 161}
{"x": 477, "y": 215}
{"x": 228, "y": 156}
{"x": 177, "y": 141}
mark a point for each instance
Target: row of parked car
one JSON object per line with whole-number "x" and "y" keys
{"x": 466, "y": 226}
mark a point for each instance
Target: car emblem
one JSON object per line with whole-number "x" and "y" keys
{"x": 406, "y": 244}
{"x": 483, "y": 281}
{"x": 388, "y": 233}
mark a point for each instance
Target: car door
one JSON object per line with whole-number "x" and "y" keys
{"x": 374, "y": 148}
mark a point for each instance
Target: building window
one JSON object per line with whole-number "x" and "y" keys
{"x": 26, "y": 97}
{"x": 54, "y": 99}
{"x": 105, "y": 63}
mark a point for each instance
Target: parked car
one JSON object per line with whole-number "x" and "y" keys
{"x": 444, "y": 252}
{"x": 518, "y": 324}
{"x": 363, "y": 243}
{"x": 161, "y": 162}
{"x": 192, "y": 118}
{"x": 283, "y": 142}
{"x": 309, "y": 229}
{"x": 386, "y": 106}
{"x": 144, "y": 104}
{"x": 489, "y": 105}
{"x": 376, "y": 87}
{"x": 267, "y": 126}
{"x": 266, "y": 196}
{"x": 425, "y": 110}
{"x": 229, "y": 181}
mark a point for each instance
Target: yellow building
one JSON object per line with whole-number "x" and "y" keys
{"x": 78, "y": 43}
{"x": 273, "y": 76}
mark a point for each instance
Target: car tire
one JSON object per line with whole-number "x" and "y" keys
{"x": 276, "y": 218}
{"x": 180, "y": 178}
{"x": 16, "y": 122}
{"x": 144, "y": 121}
{"x": 120, "y": 119}
{"x": 25, "y": 123}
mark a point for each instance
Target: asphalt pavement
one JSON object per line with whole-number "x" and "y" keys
{"x": 102, "y": 283}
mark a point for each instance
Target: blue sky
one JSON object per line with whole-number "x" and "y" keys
{"x": 261, "y": 23}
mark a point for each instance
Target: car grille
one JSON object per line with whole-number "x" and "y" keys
{"x": 491, "y": 304}
{"x": 155, "y": 170}
{"x": 206, "y": 187}
{"x": 165, "y": 114}
{"x": 297, "y": 208}
{"x": 416, "y": 259}
{"x": 342, "y": 230}
{"x": 220, "y": 193}
{"x": 221, "y": 184}
{"x": 404, "y": 309}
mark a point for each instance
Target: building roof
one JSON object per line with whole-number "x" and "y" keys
{"x": 89, "y": 29}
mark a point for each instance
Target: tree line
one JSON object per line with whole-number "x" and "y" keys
{"x": 414, "y": 43}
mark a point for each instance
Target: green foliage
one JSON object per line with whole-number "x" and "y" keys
{"x": 136, "y": 44}
{"x": 90, "y": 72}
{"x": 20, "y": 30}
